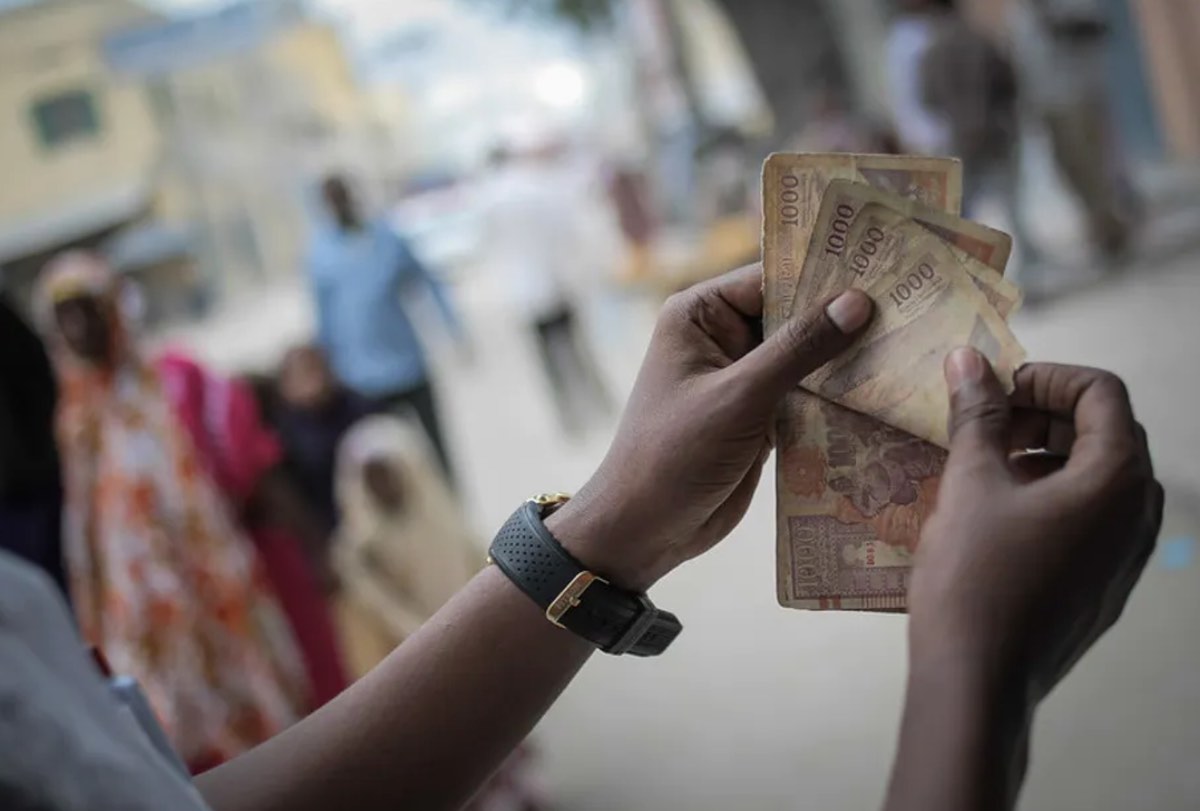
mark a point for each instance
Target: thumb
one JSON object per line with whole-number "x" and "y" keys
{"x": 805, "y": 343}
{"x": 979, "y": 411}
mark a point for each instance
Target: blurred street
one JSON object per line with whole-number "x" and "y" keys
{"x": 322, "y": 289}
{"x": 757, "y": 704}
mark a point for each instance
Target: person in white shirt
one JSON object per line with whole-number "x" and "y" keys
{"x": 537, "y": 249}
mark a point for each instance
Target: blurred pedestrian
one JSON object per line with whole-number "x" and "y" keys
{"x": 533, "y": 238}
{"x": 629, "y": 194}
{"x": 971, "y": 86}
{"x": 361, "y": 272}
{"x": 921, "y": 131}
{"x": 402, "y": 551}
{"x": 30, "y": 480}
{"x": 244, "y": 459}
{"x": 312, "y": 414}
{"x": 160, "y": 576}
{"x": 833, "y": 127}
{"x": 403, "y": 548}
{"x": 1060, "y": 47}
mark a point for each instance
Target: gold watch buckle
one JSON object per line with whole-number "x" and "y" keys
{"x": 570, "y": 596}
{"x": 550, "y": 499}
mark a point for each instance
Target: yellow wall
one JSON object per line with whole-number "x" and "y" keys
{"x": 51, "y": 48}
{"x": 313, "y": 56}
{"x": 262, "y": 124}
{"x": 222, "y": 148}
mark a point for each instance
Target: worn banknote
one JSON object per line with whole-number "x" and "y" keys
{"x": 853, "y": 489}
{"x": 925, "y": 304}
{"x": 793, "y": 187}
{"x": 841, "y": 258}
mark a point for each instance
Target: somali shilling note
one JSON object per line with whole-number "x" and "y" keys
{"x": 926, "y": 304}
{"x": 844, "y": 481}
{"x": 855, "y": 228}
{"x": 793, "y": 186}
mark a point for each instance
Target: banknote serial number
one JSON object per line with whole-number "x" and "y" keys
{"x": 835, "y": 240}
{"x": 912, "y": 284}
{"x": 789, "y": 200}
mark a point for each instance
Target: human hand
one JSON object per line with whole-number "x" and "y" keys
{"x": 1022, "y": 570}
{"x": 690, "y": 448}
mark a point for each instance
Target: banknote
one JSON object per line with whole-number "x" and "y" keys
{"x": 925, "y": 303}
{"x": 839, "y": 258}
{"x": 793, "y": 186}
{"x": 853, "y": 491}
{"x": 852, "y": 495}
{"x": 873, "y": 238}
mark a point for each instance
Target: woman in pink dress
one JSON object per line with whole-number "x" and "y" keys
{"x": 243, "y": 457}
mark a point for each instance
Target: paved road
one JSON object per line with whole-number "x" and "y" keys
{"x": 761, "y": 708}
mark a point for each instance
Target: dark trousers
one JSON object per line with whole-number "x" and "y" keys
{"x": 421, "y": 400}
{"x": 569, "y": 367}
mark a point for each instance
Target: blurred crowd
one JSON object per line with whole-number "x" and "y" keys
{"x": 954, "y": 91}
{"x": 246, "y": 546}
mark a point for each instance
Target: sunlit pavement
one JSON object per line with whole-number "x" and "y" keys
{"x": 757, "y": 707}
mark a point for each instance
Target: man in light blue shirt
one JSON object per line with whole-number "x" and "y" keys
{"x": 360, "y": 269}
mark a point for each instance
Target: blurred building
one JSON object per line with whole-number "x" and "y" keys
{"x": 1154, "y": 69}
{"x": 78, "y": 147}
{"x": 256, "y": 100}
{"x": 188, "y": 148}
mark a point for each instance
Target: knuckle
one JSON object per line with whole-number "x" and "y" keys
{"x": 1110, "y": 386}
{"x": 1122, "y": 468}
{"x": 676, "y": 310}
{"x": 678, "y": 304}
{"x": 981, "y": 411}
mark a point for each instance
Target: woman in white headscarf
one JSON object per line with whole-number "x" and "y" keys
{"x": 403, "y": 548}
{"x": 402, "y": 551}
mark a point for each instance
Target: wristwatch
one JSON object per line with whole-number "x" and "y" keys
{"x": 583, "y": 602}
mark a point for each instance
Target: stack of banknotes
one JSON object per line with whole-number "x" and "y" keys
{"x": 861, "y": 446}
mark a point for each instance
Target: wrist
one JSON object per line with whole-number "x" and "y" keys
{"x": 964, "y": 663}
{"x": 594, "y": 534}
{"x": 964, "y": 739}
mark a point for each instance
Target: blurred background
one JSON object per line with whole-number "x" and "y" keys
{"x": 551, "y": 169}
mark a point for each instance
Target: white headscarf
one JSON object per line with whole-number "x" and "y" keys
{"x": 409, "y": 563}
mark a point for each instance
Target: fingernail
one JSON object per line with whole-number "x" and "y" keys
{"x": 849, "y": 311}
{"x": 964, "y": 366}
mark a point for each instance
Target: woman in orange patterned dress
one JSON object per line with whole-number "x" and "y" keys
{"x": 161, "y": 578}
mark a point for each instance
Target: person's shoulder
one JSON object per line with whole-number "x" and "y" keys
{"x": 323, "y": 253}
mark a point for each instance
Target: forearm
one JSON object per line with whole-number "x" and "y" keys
{"x": 963, "y": 739}
{"x": 426, "y": 727}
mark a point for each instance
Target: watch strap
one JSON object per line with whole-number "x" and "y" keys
{"x": 612, "y": 619}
